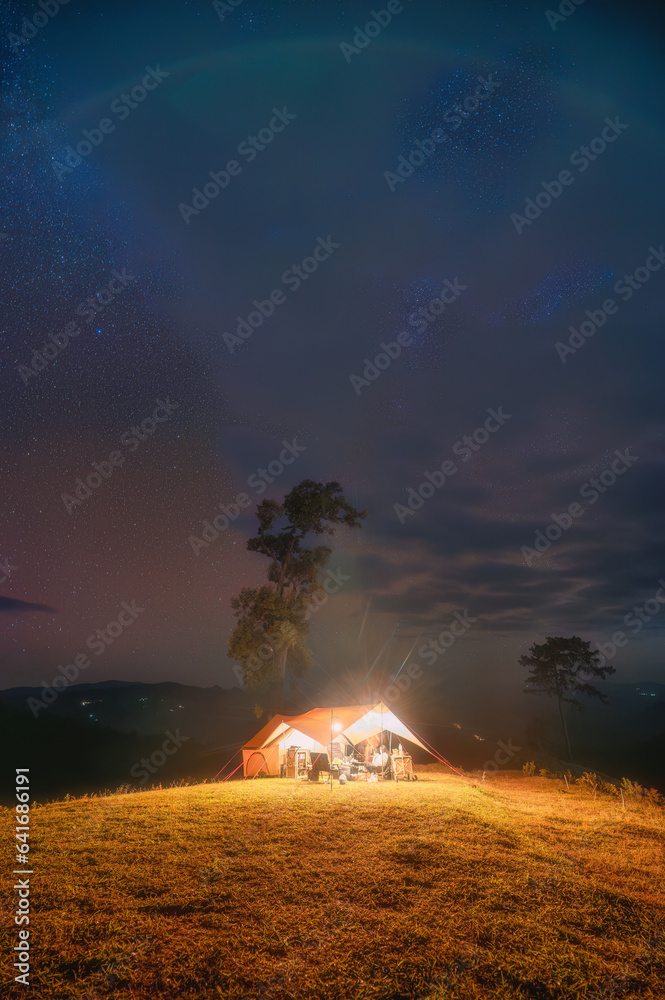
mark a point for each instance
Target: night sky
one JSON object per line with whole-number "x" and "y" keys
{"x": 176, "y": 284}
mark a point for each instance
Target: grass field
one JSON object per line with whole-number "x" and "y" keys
{"x": 275, "y": 889}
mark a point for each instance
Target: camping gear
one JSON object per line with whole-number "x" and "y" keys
{"x": 297, "y": 762}
{"x": 402, "y": 766}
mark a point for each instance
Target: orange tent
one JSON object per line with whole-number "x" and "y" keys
{"x": 314, "y": 731}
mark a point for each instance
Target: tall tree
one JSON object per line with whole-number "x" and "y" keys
{"x": 560, "y": 668}
{"x": 273, "y": 617}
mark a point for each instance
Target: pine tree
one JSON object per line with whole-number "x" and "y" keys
{"x": 273, "y": 617}
{"x": 561, "y": 668}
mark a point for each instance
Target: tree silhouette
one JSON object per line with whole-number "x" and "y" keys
{"x": 561, "y": 668}
{"x": 273, "y": 618}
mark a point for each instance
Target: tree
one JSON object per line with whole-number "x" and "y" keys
{"x": 561, "y": 668}
{"x": 273, "y": 618}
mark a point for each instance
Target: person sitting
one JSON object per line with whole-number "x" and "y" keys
{"x": 379, "y": 761}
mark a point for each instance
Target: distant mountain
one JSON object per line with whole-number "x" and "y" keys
{"x": 66, "y": 756}
{"x": 625, "y": 737}
{"x": 633, "y": 714}
{"x": 216, "y": 716}
{"x": 220, "y": 718}
{"x": 23, "y": 693}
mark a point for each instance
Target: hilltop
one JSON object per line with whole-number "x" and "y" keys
{"x": 275, "y": 890}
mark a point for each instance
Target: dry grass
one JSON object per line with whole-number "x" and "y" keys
{"x": 287, "y": 891}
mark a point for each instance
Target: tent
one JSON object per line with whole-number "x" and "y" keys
{"x": 314, "y": 730}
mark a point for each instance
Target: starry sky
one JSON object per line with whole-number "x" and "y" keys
{"x": 109, "y": 248}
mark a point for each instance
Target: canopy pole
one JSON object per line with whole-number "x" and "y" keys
{"x": 439, "y": 757}
{"x": 381, "y": 738}
{"x": 227, "y": 764}
{"x": 331, "y": 743}
{"x": 233, "y": 771}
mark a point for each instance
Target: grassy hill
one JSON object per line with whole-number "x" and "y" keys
{"x": 276, "y": 890}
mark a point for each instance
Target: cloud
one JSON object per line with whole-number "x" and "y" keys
{"x": 10, "y": 605}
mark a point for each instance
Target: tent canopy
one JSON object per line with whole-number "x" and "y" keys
{"x": 356, "y": 723}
